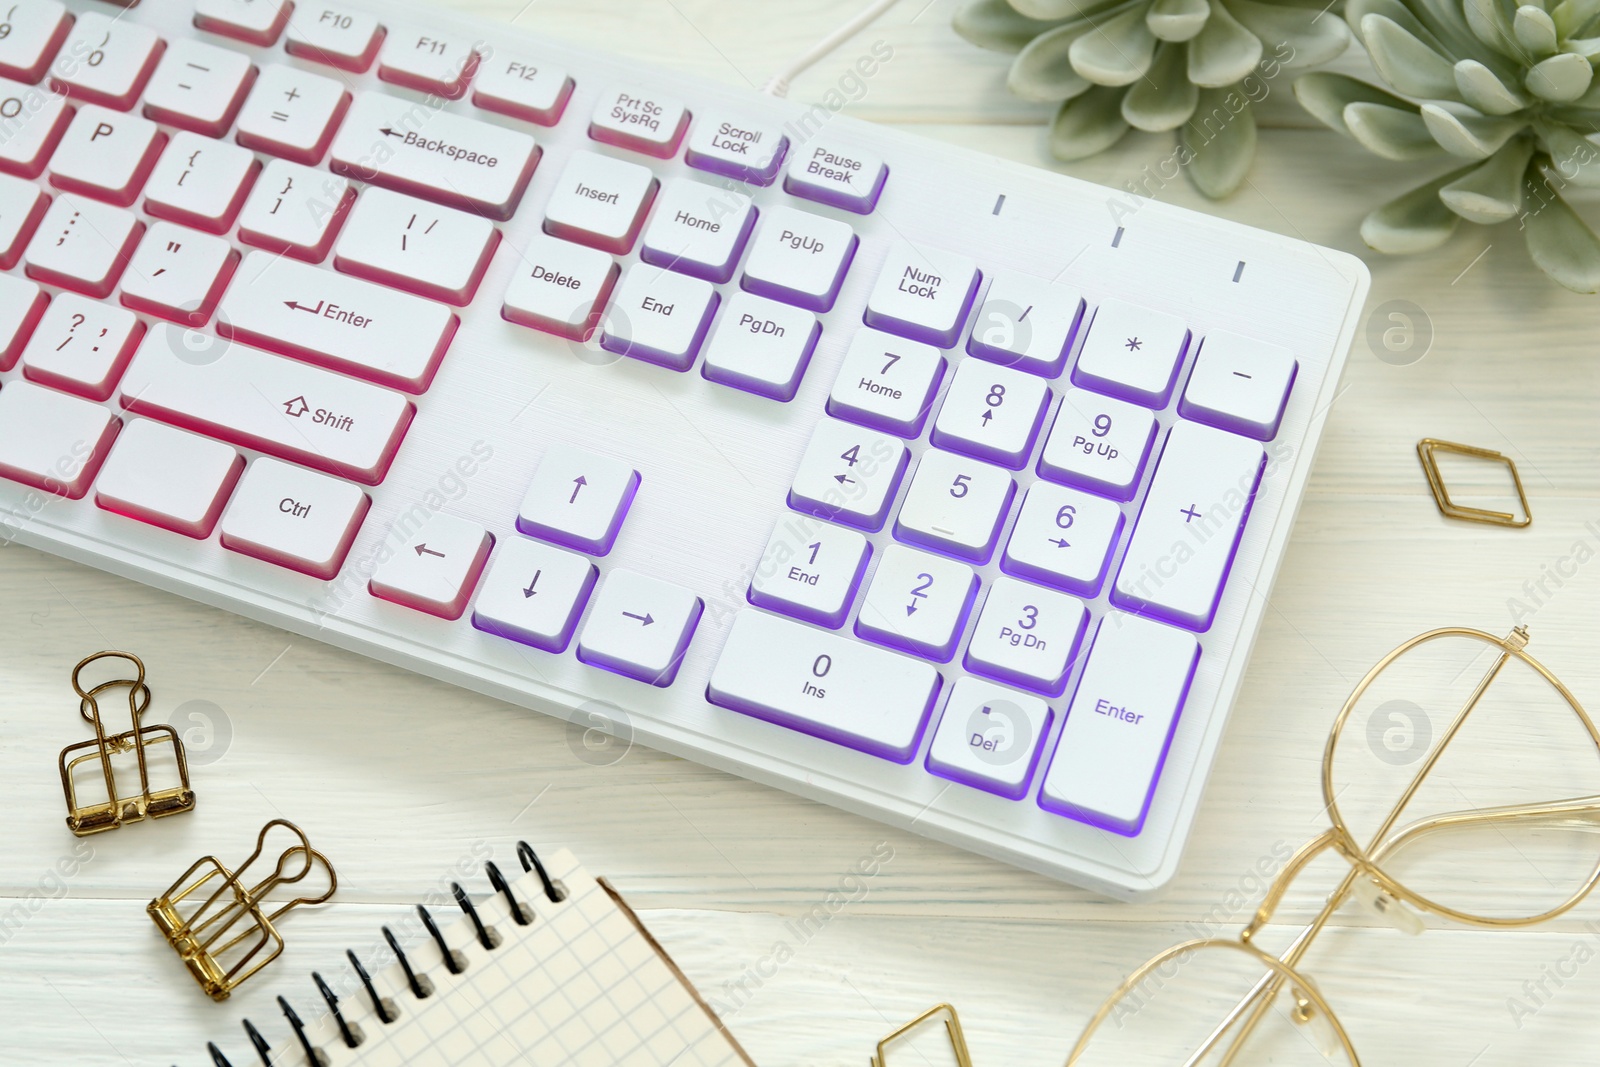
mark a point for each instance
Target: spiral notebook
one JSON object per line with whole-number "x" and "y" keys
{"x": 580, "y": 983}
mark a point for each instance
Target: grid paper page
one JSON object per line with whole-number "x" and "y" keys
{"x": 579, "y": 987}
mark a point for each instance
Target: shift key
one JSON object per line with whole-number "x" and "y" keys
{"x": 343, "y": 323}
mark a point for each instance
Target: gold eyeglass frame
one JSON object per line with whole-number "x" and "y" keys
{"x": 1366, "y": 863}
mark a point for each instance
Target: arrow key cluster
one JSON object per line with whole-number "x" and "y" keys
{"x": 534, "y": 594}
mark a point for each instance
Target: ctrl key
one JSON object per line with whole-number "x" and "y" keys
{"x": 293, "y": 517}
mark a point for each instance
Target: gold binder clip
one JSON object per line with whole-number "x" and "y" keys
{"x": 1428, "y": 446}
{"x": 84, "y": 819}
{"x": 952, "y": 1027}
{"x": 197, "y": 932}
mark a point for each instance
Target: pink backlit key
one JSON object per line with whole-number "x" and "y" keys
{"x": 168, "y": 477}
{"x": 106, "y": 60}
{"x": 333, "y": 35}
{"x": 33, "y": 134}
{"x": 600, "y": 202}
{"x": 37, "y": 29}
{"x": 643, "y": 121}
{"x": 522, "y": 88}
{"x": 52, "y": 441}
{"x": 293, "y": 517}
{"x": 428, "y": 62}
{"x": 199, "y": 87}
{"x": 252, "y": 21}
{"x": 436, "y": 568}
{"x": 295, "y": 210}
{"x": 82, "y": 346}
{"x": 292, "y": 113}
{"x": 416, "y": 246}
{"x": 106, "y": 154}
{"x": 178, "y": 273}
{"x": 22, "y": 205}
{"x": 82, "y": 245}
{"x": 22, "y": 303}
{"x": 280, "y": 406}
{"x": 200, "y": 182}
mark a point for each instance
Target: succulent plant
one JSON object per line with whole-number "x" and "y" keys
{"x": 1507, "y": 92}
{"x": 1194, "y": 66}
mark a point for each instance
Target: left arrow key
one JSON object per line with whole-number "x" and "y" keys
{"x": 441, "y": 569}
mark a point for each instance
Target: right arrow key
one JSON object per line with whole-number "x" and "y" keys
{"x": 639, "y": 627}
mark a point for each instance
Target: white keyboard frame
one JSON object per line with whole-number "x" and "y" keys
{"x": 716, "y": 462}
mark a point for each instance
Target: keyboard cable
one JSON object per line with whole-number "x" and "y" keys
{"x": 778, "y": 84}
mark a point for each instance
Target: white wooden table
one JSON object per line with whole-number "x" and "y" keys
{"x": 400, "y": 777}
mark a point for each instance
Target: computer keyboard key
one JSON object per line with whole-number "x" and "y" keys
{"x": 923, "y": 293}
{"x": 22, "y": 305}
{"x": 167, "y": 477}
{"x": 825, "y": 685}
{"x": 293, "y": 517}
{"x": 82, "y": 346}
{"x": 658, "y": 316}
{"x": 992, "y": 413}
{"x": 1239, "y": 384}
{"x": 737, "y": 146}
{"x": 1132, "y": 352}
{"x": 423, "y": 248}
{"x": 295, "y": 210}
{"x": 887, "y": 382}
{"x": 639, "y": 627}
{"x": 640, "y": 120}
{"x": 38, "y": 27}
{"x": 292, "y": 113}
{"x": 82, "y": 244}
{"x": 178, "y": 273}
{"x": 799, "y": 258}
{"x": 990, "y": 738}
{"x": 450, "y": 159}
{"x": 918, "y": 602}
{"x": 955, "y": 505}
{"x": 560, "y": 287}
{"x": 578, "y": 499}
{"x": 22, "y": 206}
{"x": 533, "y": 594}
{"x": 1114, "y": 742}
{"x": 429, "y": 62}
{"x": 1063, "y": 537}
{"x": 435, "y": 568}
{"x": 810, "y": 570}
{"x": 198, "y": 87}
{"x": 283, "y": 407}
{"x": 340, "y": 37}
{"x": 52, "y": 441}
{"x": 522, "y": 88}
{"x": 200, "y": 182}
{"x": 600, "y": 202}
{"x": 1189, "y": 526}
{"x": 1026, "y": 636}
{"x": 1098, "y": 444}
{"x": 836, "y": 174}
{"x": 760, "y": 345}
{"x": 106, "y": 60}
{"x": 848, "y": 474}
{"x": 698, "y": 229}
{"x": 252, "y": 21}
{"x": 31, "y": 137}
{"x": 1027, "y": 323}
{"x": 106, "y": 154}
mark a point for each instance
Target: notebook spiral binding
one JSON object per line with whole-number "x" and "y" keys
{"x": 421, "y": 986}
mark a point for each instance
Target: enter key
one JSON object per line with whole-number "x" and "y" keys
{"x": 336, "y": 321}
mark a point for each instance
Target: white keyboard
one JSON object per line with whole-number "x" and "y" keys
{"x": 936, "y": 487}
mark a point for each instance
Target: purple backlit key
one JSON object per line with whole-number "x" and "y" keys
{"x": 887, "y": 382}
{"x": 955, "y": 505}
{"x": 658, "y": 316}
{"x": 1098, "y": 444}
{"x": 918, "y": 602}
{"x": 836, "y": 174}
{"x": 1132, "y": 352}
{"x": 799, "y": 258}
{"x": 643, "y": 121}
{"x": 737, "y": 146}
{"x": 990, "y": 738}
{"x": 1239, "y": 384}
{"x": 924, "y": 294}
{"x": 760, "y": 345}
{"x": 578, "y": 499}
{"x": 992, "y": 413}
{"x": 848, "y": 474}
{"x": 810, "y": 570}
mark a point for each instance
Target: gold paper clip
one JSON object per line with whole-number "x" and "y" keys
{"x": 952, "y": 1027}
{"x": 1441, "y": 496}
{"x": 84, "y": 819}
{"x": 194, "y": 931}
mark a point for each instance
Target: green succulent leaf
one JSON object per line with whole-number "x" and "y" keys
{"x": 1466, "y": 132}
{"x": 1535, "y": 30}
{"x": 1063, "y": 10}
{"x": 1163, "y": 99}
{"x": 1088, "y": 124}
{"x": 1395, "y": 11}
{"x": 1043, "y": 70}
{"x": 1326, "y": 94}
{"x": 1492, "y": 191}
{"x": 1413, "y": 222}
{"x": 1224, "y": 52}
{"x": 996, "y": 25}
{"x": 1312, "y": 36}
{"x": 1390, "y": 132}
{"x": 1560, "y": 242}
{"x": 1221, "y": 137}
{"x": 1587, "y": 47}
{"x": 1117, "y": 52}
{"x": 1483, "y": 89}
{"x": 1405, "y": 62}
{"x": 1178, "y": 20}
{"x": 1490, "y": 21}
{"x": 1571, "y": 155}
{"x": 1561, "y": 78}
{"x": 1571, "y": 16}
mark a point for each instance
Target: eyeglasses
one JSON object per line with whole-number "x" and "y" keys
{"x": 1489, "y": 850}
